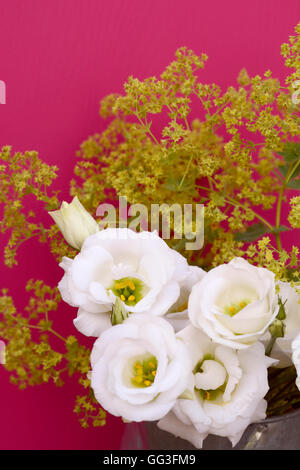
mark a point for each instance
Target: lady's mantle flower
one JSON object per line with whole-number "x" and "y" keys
{"x": 138, "y": 268}
{"x": 139, "y": 368}
{"x": 227, "y": 388}
{"x": 75, "y": 223}
{"x": 234, "y": 303}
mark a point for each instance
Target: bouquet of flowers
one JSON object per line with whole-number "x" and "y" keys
{"x": 196, "y": 319}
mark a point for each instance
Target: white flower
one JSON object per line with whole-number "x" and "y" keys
{"x": 282, "y": 349}
{"x": 234, "y": 303}
{"x": 74, "y": 222}
{"x": 177, "y": 314}
{"x": 295, "y": 346}
{"x": 228, "y": 387}
{"x": 139, "y": 368}
{"x": 139, "y": 268}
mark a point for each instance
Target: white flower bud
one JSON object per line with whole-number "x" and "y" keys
{"x": 74, "y": 222}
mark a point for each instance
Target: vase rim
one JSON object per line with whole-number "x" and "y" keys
{"x": 273, "y": 419}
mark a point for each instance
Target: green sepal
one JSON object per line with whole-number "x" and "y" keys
{"x": 118, "y": 313}
{"x": 277, "y": 329}
{"x": 281, "y": 314}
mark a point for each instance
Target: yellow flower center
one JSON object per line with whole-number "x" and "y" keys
{"x": 182, "y": 307}
{"x": 129, "y": 290}
{"x": 234, "y": 308}
{"x": 144, "y": 372}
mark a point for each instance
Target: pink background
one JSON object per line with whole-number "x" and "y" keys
{"x": 58, "y": 59}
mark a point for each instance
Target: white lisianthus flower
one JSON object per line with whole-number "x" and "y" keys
{"x": 227, "y": 389}
{"x": 74, "y": 222}
{"x": 139, "y": 368}
{"x": 177, "y": 314}
{"x": 234, "y": 303}
{"x": 282, "y": 349}
{"x": 138, "y": 268}
{"x": 295, "y": 346}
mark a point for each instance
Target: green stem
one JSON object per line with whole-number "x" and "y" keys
{"x": 186, "y": 171}
{"x": 270, "y": 345}
{"x": 57, "y": 334}
{"x": 238, "y": 204}
{"x": 25, "y": 325}
{"x": 145, "y": 125}
{"x": 187, "y": 124}
{"x": 278, "y": 215}
{"x": 280, "y": 199}
{"x": 259, "y": 217}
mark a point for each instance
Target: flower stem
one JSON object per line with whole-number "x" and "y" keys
{"x": 259, "y": 217}
{"x": 289, "y": 175}
{"x": 233, "y": 202}
{"x": 186, "y": 171}
{"x": 270, "y": 345}
{"x": 57, "y": 334}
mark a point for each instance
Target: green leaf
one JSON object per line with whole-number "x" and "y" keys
{"x": 296, "y": 172}
{"x": 294, "y": 184}
{"x": 118, "y": 313}
{"x": 256, "y": 231}
{"x": 173, "y": 184}
{"x": 276, "y": 230}
{"x": 291, "y": 151}
{"x": 209, "y": 234}
{"x": 284, "y": 169}
{"x": 252, "y": 233}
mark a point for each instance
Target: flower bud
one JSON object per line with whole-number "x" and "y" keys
{"x": 74, "y": 222}
{"x": 277, "y": 328}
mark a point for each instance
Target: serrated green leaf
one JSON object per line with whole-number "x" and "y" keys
{"x": 252, "y": 233}
{"x": 173, "y": 184}
{"x": 296, "y": 172}
{"x": 294, "y": 184}
{"x": 276, "y": 230}
{"x": 291, "y": 152}
{"x": 118, "y": 313}
{"x": 256, "y": 231}
{"x": 284, "y": 169}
